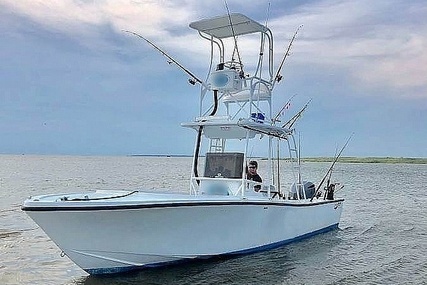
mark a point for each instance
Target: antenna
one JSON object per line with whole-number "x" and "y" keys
{"x": 261, "y": 51}
{"x": 268, "y": 14}
{"x": 193, "y": 80}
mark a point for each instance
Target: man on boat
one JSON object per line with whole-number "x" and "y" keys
{"x": 253, "y": 175}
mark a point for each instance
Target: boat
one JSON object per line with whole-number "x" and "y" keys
{"x": 223, "y": 213}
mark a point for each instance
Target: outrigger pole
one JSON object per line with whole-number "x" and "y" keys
{"x": 276, "y": 118}
{"x": 289, "y": 124}
{"x": 331, "y": 167}
{"x": 193, "y": 79}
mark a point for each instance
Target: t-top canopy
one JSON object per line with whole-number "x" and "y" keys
{"x": 220, "y": 27}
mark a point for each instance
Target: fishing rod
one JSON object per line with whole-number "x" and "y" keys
{"x": 236, "y": 47}
{"x": 331, "y": 167}
{"x": 193, "y": 78}
{"x": 328, "y": 181}
{"x": 278, "y": 77}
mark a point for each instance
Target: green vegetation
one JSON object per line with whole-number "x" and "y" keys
{"x": 368, "y": 160}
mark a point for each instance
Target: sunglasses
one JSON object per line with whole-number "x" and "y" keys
{"x": 252, "y": 167}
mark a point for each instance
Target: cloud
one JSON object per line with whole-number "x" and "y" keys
{"x": 380, "y": 43}
{"x": 81, "y": 19}
{"x": 69, "y": 15}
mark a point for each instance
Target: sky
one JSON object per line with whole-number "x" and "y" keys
{"x": 73, "y": 83}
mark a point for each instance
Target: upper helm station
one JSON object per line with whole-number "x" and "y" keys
{"x": 236, "y": 94}
{"x": 229, "y": 78}
{"x": 241, "y": 106}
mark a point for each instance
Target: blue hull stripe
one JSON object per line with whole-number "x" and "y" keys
{"x": 115, "y": 270}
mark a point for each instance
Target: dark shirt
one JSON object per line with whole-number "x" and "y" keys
{"x": 255, "y": 178}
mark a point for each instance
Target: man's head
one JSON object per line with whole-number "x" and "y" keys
{"x": 253, "y": 166}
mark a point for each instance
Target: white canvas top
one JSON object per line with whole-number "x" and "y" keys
{"x": 220, "y": 27}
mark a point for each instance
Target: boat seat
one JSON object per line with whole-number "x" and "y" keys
{"x": 244, "y": 95}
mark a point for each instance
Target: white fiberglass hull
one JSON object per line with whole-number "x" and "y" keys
{"x": 113, "y": 236}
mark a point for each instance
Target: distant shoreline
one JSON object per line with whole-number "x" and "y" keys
{"x": 347, "y": 159}
{"x": 161, "y": 155}
{"x": 344, "y": 159}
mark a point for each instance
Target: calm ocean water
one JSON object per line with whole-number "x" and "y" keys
{"x": 382, "y": 238}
